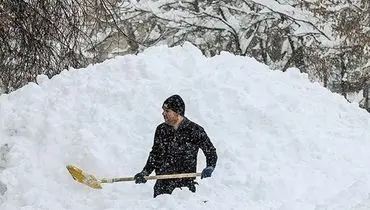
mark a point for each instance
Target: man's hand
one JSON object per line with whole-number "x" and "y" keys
{"x": 139, "y": 177}
{"x": 207, "y": 172}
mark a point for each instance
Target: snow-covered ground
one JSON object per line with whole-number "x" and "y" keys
{"x": 283, "y": 142}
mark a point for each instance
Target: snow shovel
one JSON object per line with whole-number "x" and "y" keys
{"x": 95, "y": 183}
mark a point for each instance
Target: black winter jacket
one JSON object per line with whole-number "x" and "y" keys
{"x": 175, "y": 151}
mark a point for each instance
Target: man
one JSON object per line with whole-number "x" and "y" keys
{"x": 364, "y": 103}
{"x": 175, "y": 149}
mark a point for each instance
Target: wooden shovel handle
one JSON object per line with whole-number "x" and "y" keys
{"x": 167, "y": 176}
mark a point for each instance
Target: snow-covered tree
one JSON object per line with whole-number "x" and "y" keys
{"x": 344, "y": 60}
{"x": 273, "y": 33}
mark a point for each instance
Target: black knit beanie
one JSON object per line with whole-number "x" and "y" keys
{"x": 175, "y": 103}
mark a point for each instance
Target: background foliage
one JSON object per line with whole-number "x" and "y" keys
{"x": 328, "y": 39}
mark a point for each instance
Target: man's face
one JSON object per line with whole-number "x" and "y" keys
{"x": 170, "y": 117}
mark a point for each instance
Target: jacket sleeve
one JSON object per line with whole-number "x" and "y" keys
{"x": 208, "y": 149}
{"x": 154, "y": 155}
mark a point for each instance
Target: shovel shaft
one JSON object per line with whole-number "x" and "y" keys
{"x": 167, "y": 176}
{"x": 95, "y": 183}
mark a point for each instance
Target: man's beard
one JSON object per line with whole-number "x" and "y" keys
{"x": 169, "y": 121}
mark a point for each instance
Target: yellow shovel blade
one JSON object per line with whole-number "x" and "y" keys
{"x": 83, "y": 177}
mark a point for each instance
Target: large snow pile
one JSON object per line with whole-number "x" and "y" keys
{"x": 282, "y": 142}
